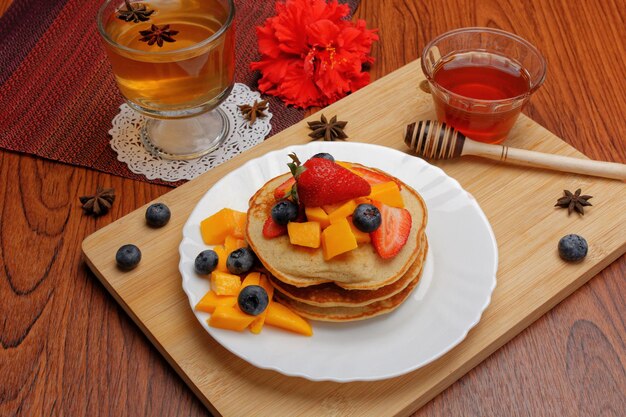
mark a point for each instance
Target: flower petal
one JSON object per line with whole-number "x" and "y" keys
{"x": 322, "y": 33}
{"x": 310, "y": 54}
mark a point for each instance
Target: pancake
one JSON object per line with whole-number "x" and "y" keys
{"x": 342, "y": 314}
{"x": 360, "y": 268}
{"x": 331, "y": 295}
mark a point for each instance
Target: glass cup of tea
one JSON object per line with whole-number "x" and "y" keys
{"x": 174, "y": 62}
{"x": 480, "y": 78}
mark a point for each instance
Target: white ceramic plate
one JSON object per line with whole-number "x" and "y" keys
{"x": 456, "y": 286}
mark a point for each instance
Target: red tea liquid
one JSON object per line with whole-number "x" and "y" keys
{"x": 480, "y": 76}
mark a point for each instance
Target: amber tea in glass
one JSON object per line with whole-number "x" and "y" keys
{"x": 480, "y": 78}
{"x": 184, "y": 75}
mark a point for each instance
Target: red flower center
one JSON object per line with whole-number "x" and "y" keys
{"x": 320, "y": 58}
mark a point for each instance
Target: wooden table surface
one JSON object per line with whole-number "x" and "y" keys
{"x": 68, "y": 349}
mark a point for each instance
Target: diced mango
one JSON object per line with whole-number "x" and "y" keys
{"x": 387, "y": 193}
{"x": 361, "y": 237}
{"x": 329, "y": 208}
{"x": 304, "y": 234}
{"x": 280, "y": 316}
{"x": 258, "y": 322}
{"x": 221, "y": 258}
{"x": 230, "y": 318}
{"x": 225, "y": 284}
{"x": 253, "y": 278}
{"x": 317, "y": 214}
{"x": 345, "y": 210}
{"x": 346, "y": 165}
{"x": 363, "y": 200}
{"x": 349, "y": 167}
{"x": 212, "y": 300}
{"x": 232, "y": 243}
{"x": 240, "y": 224}
{"x": 215, "y": 228}
{"x": 337, "y": 239}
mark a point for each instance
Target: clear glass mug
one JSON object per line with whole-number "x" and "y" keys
{"x": 177, "y": 84}
{"x": 480, "y": 78}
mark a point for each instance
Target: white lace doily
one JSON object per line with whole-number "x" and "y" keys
{"x": 127, "y": 144}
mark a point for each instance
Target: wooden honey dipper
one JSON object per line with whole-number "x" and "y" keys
{"x": 434, "y": 140}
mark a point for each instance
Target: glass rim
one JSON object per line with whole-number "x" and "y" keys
{"x": 478, "y": 29}
{"x": 199, "y": 45}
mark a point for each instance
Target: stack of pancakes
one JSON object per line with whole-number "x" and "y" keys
{"x": 353, "y": 286}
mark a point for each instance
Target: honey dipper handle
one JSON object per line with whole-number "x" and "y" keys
{"x": 545, "y": 160}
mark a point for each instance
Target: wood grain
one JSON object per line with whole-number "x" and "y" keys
{"x": 67, "y": 349}
{"x": 531, "y": 278}
{"x": 4, "y": 5}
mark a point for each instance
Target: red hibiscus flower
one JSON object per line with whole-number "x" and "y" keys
{"x": 311, "y": 55}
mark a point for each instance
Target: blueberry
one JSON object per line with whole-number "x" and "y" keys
{"x": 240, "y": 261}
{"x": 157, "y": 215}
{"x": 205, "y": 262}
{"x": 324, "y": 155}
{"x": 127, "y": 257}
{"x": 284, "y": 212}
{"x": 573, "y": 248}
{"x": 253, "y": 300}
{"x": 366, "y": 218}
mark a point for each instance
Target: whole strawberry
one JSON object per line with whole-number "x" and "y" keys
{"x": 320, "y": 182}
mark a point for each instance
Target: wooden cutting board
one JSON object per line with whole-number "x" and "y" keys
{"x": 517, "y": 201}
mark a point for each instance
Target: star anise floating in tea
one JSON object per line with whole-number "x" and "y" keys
{"x": 158, "y": 35}
{"x": 254, "y": 111}
{"x": 98, "y": 203}
{"x": 137, "y": 13}
{"x": 573, "y": 202}
{"x": 328, "y": 130}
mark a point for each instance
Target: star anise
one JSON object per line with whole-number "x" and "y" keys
{"x": 158, "y": 35}
{"x": 136, "y": 14}
{"x": 329, "y": 131}
{"x": 254, "y": 111}
{"x": 573, "y": 202}
{"x": 99, "y": 203}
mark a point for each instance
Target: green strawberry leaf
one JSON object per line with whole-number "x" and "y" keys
{"x": 295, "y": 167}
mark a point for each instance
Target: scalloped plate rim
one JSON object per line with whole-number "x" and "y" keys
{"x": 327, "y": 147}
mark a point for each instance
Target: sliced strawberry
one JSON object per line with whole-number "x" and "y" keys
{"x": 283, "y": 189}
{"x": 271, "y": 229}
{"x": 324, "y": 182}
{"x": 372, "y": 177}
{"x": 393, "y": 232}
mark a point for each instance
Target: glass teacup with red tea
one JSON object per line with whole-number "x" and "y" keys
{"x": 480, "y": 78}
{"x": 173, "y": 61}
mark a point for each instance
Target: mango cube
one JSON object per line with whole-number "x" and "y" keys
{"x": 361, "y": 237}
{"x": 211, "y": 300}
{"x": 387, "y": 193}
{"x": 304, "y": 234}
{"x": 257, "y": 324}
{"x": 241, "y": 220}
{"x": 230, "y": 318}
{"x": 343, "y": 211}
{"x": 317, "y": 214}
{"x": 225, "y": 284}
{"x": 280, "y": 316}
{"x": 329, "y": 208}
{"x": 215, "y": 228}
{"x": 349, "y": 167}
{"x": 253, "y": 278}
{"x": 337, "y": 239}
{"x": 221, "y": 258}
{"x": 232, "y": 243}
